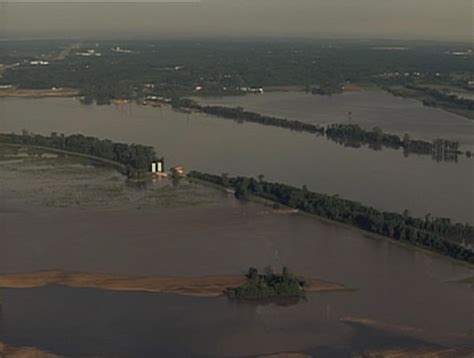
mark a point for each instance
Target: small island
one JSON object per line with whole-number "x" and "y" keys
{"x": 268, "y": 285}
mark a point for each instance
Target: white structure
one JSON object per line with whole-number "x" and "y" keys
{"x": 157, "y": 167}
{"x": 40, "y": 62}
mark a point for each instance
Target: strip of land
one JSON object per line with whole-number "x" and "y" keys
{"x": 39, "y": 93}
{"x": 207, "y": 286}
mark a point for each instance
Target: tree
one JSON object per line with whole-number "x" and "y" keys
{"x": 241, "y": 191}
{"x": 253, "y": 274}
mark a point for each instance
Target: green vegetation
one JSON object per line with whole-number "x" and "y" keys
{"x": 436, "y": 234}
{"x": 178, "y": 68}
{"x": 268, "y": 285}
{"x": 135, "y": 157}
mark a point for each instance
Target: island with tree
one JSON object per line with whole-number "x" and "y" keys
{"x": 268, "y": 285}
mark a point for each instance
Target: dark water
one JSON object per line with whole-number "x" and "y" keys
{"x": 384, "y": 179}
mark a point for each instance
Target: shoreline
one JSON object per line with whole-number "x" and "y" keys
{"x": 368, "y": 234}
{"x": 198, "y": 286}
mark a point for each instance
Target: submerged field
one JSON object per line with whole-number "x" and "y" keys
{"x": 43, "y": 178}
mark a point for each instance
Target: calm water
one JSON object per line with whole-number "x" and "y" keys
{"x": 396, "y": 285}
{"x": 384, "y": 179}
{"x": 101, "y": 323}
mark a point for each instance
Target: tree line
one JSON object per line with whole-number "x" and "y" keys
{"x": 436, "y": 234}
{"x": 349, "y": 135}
{"x": 136, "y": 157}
{"x": 439, "y": 98}
{"x": 352, "y": 135}
{"x": 240, "y": 115}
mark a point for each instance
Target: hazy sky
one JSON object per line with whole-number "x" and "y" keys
{"x": 418, "y": 19}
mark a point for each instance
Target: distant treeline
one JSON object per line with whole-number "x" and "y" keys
{"x": 135, "y": 157}
{"x": 177, "y": 67}
{"x": 435, "y": 98}
{"x": 352, "y": 135}
{"x": 439, "y": 98}
{"x": 436, "y": 234}
{"x": 349, "y": 135}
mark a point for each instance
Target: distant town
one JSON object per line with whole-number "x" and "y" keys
{"x": 105, "y": 71}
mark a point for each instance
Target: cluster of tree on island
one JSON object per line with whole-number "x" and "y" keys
{"x": 268, "y": 285}
{"x": 136, "y": 158}
{"x": 349, "y": 135}
{"x": 436, "y": 234}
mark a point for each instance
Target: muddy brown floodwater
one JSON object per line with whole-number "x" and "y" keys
{"x": 78, "y": 218}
